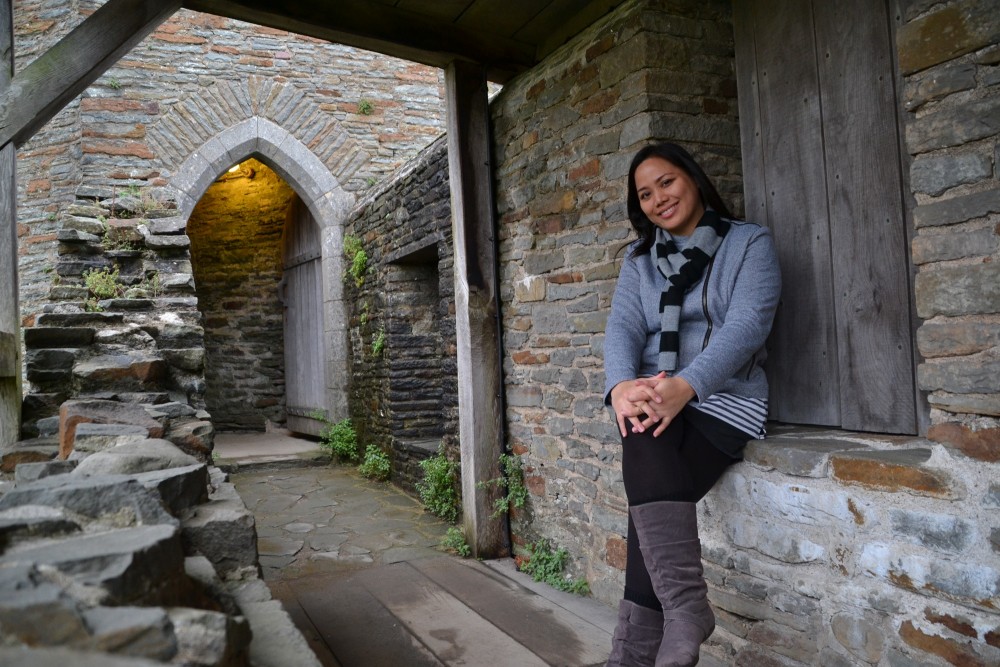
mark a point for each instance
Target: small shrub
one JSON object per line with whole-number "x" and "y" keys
{"x": 547, "y": 565}
{"x": 116, "y": 238}
{"x": 437, "y": 488}
{"x": 103, "y": 283}
{"x": 454, "y": 540}
{"x": 355, "y": 252}
{"x": 114, "y": 84}
{"x": 378, "y": 342}
{"x": 376, "y": 464}
{"x": 511, "y": 480}
{"x": 365, "y": 107}
{"x": 340, "y": 439}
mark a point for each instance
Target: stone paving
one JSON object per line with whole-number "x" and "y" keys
{"x": 327, "y": 519}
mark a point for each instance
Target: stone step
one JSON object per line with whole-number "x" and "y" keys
{"x": 37, "y": 338}
{"x": 132, "y": 371}
{"x": 35, "y": 450}
{"x": 118, "y": 498}
{"x": 96, "y": 320}
{"x": 894, "y": 471}
{"x": 73, "y": 413}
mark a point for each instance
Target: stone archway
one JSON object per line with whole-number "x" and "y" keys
{"x": 320, "y": 192}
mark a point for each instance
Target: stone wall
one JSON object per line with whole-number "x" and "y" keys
{"x": 236, "y": 252}
{"x": 950, "y": 62}
{"x": 823, "y": 547}
{"x": 405, "y": 398}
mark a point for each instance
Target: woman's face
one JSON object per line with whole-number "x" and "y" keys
{"x": 668, "y": 196}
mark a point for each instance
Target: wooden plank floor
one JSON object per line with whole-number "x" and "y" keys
{"x": 441, "y": 611}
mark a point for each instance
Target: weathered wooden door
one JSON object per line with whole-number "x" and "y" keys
{"x": 302, "y": 296}
{"x": 821, "y": 159}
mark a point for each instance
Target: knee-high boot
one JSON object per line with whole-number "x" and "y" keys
{"x": 637, "y": 636}
{"x": 668, "y": 540}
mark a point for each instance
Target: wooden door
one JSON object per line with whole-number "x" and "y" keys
{"x": 822, "y": 169}
{"x": 302, "y": 296}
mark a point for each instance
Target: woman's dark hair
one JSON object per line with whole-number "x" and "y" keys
{"x": 681, "y": 159}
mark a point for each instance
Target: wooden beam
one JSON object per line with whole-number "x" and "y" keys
{"x": 477, "y": 337}
{"x": 10, "y": 325}
{"x": 44, "y": 87}
{"x": 375, "y": 27}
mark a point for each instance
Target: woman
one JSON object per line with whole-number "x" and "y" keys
{"x": 683, "y": 352}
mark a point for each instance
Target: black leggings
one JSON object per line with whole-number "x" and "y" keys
{"x": 680, "y": 465}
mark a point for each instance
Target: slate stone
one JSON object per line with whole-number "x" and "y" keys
{"x": 145, "y": 632}
{"x": 179, "y": 488}
{"x": 68, "y": 293}
{"x": 898, "y": 470}
{"x": 99, "y": 437}
{"x": 36, "y": 612}
{"x": 117, "y": 497}
{"x": 44, "y": 337}
{"x": 196, "y": 437}
{"x": 129, "y": 371}
{"x": 942, "y": 247}
{"x": 938, "y": 83}
{"x": 81, "y": 319}
{"x": 28, "y": 521}
{"x": 168, "y": 225}
{"x": 953, "y": 126}
{"x": 70, "y": 235}
{"x": 135, "y": 457}
{"x": 948, "y": 534}
{"x": 211, "y": 638}
{"x": 167, "y": 241}
{"x": 936, "y": 173}
{"x": 36, "y": 450}
{"x": 76, "y": 412}
{"x": 86, "y": 224}
{"x": 222, "y": 530}
{"x": 968, "y": 289}
{"x": 957, "y": 209}
{"x": 127, "y": 566}
{"x": 29, "y": 472}
{"x": 171, "y": 409}
{"x": 954, "y": 29}
{"x": 63, "y": 657}
{"x": 201, "y": 571}
{"x": 975, "y": 374}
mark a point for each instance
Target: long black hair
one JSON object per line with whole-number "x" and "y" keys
{"x": 681, "y": 159}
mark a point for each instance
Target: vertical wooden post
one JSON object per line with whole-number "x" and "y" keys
{"x": 479, "y": 377}
{"x": 10, "y": 326}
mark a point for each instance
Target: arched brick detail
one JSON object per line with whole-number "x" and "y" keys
{"x": 322, "y": 193}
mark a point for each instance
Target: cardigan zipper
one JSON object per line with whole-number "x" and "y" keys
{"x": 704, "y": 303}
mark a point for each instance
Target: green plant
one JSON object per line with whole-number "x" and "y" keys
{"x": 454, "y": 540}
{"x": 363, "y": 317}
{"x": 355, "y": 252}
{"x": 365, "y": 107}
{"x": 437, "y": 488}
{"x": 547, "y": 565}
{"x": 340, "y": 438}
{"x": 511, "y": 481}
{"x": 103, "y": 283}
{"x": 376, "y": 464}
{"x": 92, "y": 306}
{"x": 378, "y": 342}
{"x": 114, "y": 83}
{"x": 117, "y": 238}
{"x": 149, "y": 287}
{"x": 371, "y": 181}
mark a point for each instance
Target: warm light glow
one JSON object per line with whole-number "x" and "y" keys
{"x": 235, "y": 168}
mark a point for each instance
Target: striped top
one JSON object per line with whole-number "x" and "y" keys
{"x": 746, "y": 414}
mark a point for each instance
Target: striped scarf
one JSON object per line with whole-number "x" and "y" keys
{"x": 682, "y": 269}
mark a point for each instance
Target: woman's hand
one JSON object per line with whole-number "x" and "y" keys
{"x": 626, "y": 399}
{"x": 671, "y": 395}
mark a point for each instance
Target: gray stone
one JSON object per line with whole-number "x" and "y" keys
{"x": 276, "y": 640}
{"x": 976, "y": 404}
{"x": 171, "y": 409}
{"x": 91, "y": 437}
{"x": 955, "y": 337}
{"x": 70, "y": 235}
{"x": 116, "y": 498}
{"x": 135, "y": 457}
{"x": 162, "y": 242}
{"x": 934, "y": 174}
{"x": 29, "y": 472}
{"x": 222, "y": 530}
{"x": 36, "y": 450}
{"x": 970, "y": 289}
{"x": 27, "y": 521}
{"x": 42, "y": 337}
{"x": 133, "y": 631}
{"x": 87, "y": 225}
{"x": 125, "y": 566}
{"x": 954, "y": 126}
{"x": 800, "y": 457}
{"x": 196, "y": 437}
{"x": 957, "y": 209}
{"x": 863, "y": 638}
{"x": 169, "y": 225}
{"x": 36, "y": 612}
{"x": 179, "y": 488}
{"x": 62, "y": 657}
{"x": 202, "y": 572}
{"x": 975, "y": 374}
{"x": 210, "y": 638}
{"x": 937, "y": 83}
{"x": 190, "y": 360}
{"x": 934, "y": 531}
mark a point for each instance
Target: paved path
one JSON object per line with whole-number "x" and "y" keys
{"x": 357, "y": 565}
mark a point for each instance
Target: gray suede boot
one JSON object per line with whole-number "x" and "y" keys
{"x": 668, "y": 540}
{"x": 637, "y": 636}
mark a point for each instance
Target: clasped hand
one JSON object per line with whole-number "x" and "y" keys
{"x": 644, "y": 402}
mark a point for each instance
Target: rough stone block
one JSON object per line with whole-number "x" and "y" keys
{"x": 222, "y": 530}
{"x": 956, "y": 337}
{"x": 144, "y": 632}
{"x": 977, "y": 404}
{"x": 37, "y": 450}
{"x": 956, "y": 28}
{"x": 58, "y": 337}
{"x": 934, "y": 174}
{"x": 29, "y": 472}
{"x": 970, "y": 289}
{"x": 942, "y": 247}
{"x": 127, "y": 372}
{"x": 91, "y": 437}
{"x": 135, "y": 457}
{"x": 195, "y": 437}
{"x": 35, "y": 612}
{"x": 949, "y": 534}
{"x": 860, "y": 635}
{"x": 72, "y": 413}
{"x": 116, "y": 498}
{"x": 28, "y": 521}
{"x": 894, "y": 471}
{"x": 793, "y": 456}
{"x": 179, "y": 488}
{"x": 124, "y": 566}
{"x": 957, "y": 209}
{"x": 201, "y": 571}
{"x": 210, "y": 638}
{"x": 972, "y": 374}
{"x": 777, "y": 541}
{"x": 981, "y": 444}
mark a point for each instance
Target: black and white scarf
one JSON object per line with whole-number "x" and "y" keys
{"x": 682, "y": 270}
